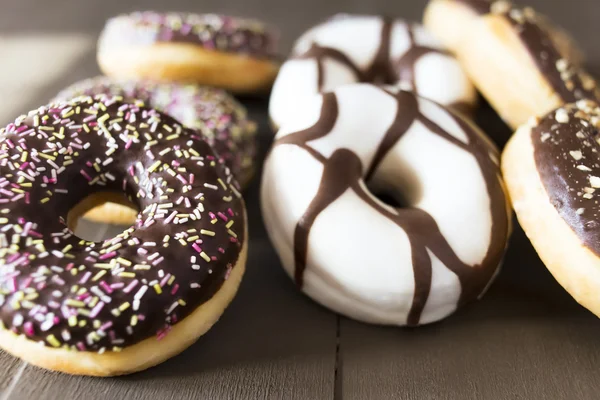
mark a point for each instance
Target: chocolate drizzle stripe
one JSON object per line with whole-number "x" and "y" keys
{"x": 383, "y": 69}
{"x": 344, "y": 171}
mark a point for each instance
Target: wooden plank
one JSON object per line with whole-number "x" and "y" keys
{"x": 526, "y": 339}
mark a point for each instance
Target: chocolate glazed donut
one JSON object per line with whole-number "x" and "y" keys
{"x": 343, "y": 171}
{"x": 552, "y": 170}
{"x": 131, "y": 301}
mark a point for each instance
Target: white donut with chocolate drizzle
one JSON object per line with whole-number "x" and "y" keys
{"x": 359, "y": 256}
{"x": 350, "y": 49}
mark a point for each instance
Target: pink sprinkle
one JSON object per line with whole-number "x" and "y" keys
{"x": 26, "y": 197}
{"x": 85, "y": 175}
{"x": 28, "y": 328}
{"x": 212, "y": 215}
{"x": 131, "y": 170}
{"x": 83, "y": 296}
{"x": 117, "y": 285}
{"x": 106, "y": 288}
{"x": 128, "y": 144}
{"x": 80, "y": 346}
{"x": 36, "y": 234}
{"x": 230, "y": 211}
{"x": 191, "y": 178}
{"x": 69, "y": 266}
{"x": 130, "y": 287}
{"x": 26, "y": 282}
{"x": 181, "y": 179}
{"x": 89, "y": 164}
{"x": 175, "y": 289}
{"x": 222, "y": 216}
{"x": 85, "y": 277}
{"x": 158, "y": 261}
{"x": 197, "y": 248}
{"x": 96, "y": 310}
{"x": 170, "y": 217}
{"x": 108, "y": 255}
{"x": 106, "y": 325}
{"x": 24, "y": 165}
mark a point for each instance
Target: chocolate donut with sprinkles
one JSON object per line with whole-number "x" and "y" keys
{"x": 522, "y": 63}
{"x": 236, "y": 54}
{"x": 132, "y": 301}
{"x": 214, "y": 113}
{"x": 364, "y": 48}
{"x": 552, "y": 171}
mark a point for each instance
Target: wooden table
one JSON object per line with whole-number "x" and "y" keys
{"x": 527, "y": 339}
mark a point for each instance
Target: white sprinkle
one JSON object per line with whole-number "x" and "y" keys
{"x": 576, "y": 155}
{"x": 595, "y": 182}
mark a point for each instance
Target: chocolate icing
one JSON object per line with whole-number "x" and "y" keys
{"x": 567, "y": 157}
{"x": 567, "y": 80}
{"x": 383, "y": 69}
{"x": 212, "y": 112}
{"x": 343, "y": 171}
{"x": 60, "y": 290}
{"x": 212, "y": 31}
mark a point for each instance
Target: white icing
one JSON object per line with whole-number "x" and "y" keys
{"x": 359, "y": 262}
{"x": 438, "y": 76}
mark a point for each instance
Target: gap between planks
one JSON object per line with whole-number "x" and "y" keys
{"x": 338, "y": 372}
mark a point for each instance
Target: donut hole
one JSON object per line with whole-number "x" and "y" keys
{"x": 111, "y": 207}
{"x": 396, "y": 200}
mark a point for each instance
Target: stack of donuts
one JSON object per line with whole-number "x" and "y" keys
{"x": 383, "y": 199}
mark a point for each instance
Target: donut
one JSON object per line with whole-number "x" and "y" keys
{"x": 552, "y": 171}
{"x": 436, "y": 242}
{"x": 522, "y": 64}
{"x": 232, "y": 53}
{"x": 132, "y": 301}
{"x": 221, "y": 120}
{"x": 354, "y": 48}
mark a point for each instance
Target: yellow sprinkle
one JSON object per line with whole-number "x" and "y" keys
{"x": 124, "y": 261}
{"x": 172, "y": 137}
{"x": 229, "y": 224}
{"x": 53, "y": 340}
{"x": 222, "y": 184}
{"x": 45, "y": 200}
{"x": 3, "y": 220}
{"x": 207, "y": 232}
{"x": 154, "y": 166}
{"x": 67, "y": 248}
{"x": 127, "y": 275}
{"x": 157, "y": 288}
{"x": 183, "y": 243}
{"x": 166, "y": 238}
{"x": 46, "y": 156}
{"x": 205, "y": 256}
{"x": 72, "y": 320}
{"x": 74, "y": 303}
{"x": 99, "y": 275}
{"x": 171, "y": 280}
{"x": 232, "y": 233}
{"x": 82, "y": 323}
{"x": 181, "y": 302}
{"x": 193, "y": 238}
{"x": 124, "y": 306}
{"x": 134, "y": 320}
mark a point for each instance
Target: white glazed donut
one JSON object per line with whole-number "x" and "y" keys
{"x": 350, "y": 49}
{"x": 359, "y": 256}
